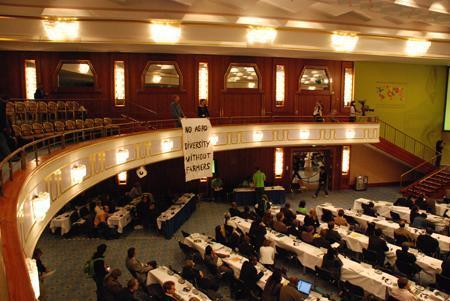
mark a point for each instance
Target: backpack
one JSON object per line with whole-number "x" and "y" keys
{"x": 89, "y": 266}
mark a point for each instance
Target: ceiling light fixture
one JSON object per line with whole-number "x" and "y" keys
{"x": 261, "y": 35}
{"x": 417, "y": 47}
{"x": 61, "y": 29}
{"x": 344, "y": 41}
{"x": 165, "y": 32}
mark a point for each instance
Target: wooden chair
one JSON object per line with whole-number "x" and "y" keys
{"x": 49, "y": 128}
{"x": 31, "y": 108}
{"x": 26, "y": 131}
{"x": 61, "y": 109}
{"x": 52, "y": 111}
{"x": 59, "y": 126}
{"x": 38, "y": 130}
{"x": 20, "y": 112}
{"x": 42, "y": 111}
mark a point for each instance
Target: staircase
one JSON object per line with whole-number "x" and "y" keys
{"x": 432, "y": 185}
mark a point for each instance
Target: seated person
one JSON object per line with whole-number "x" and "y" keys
{"x": 268, "y": 219}
{"x": 101, "y": 225}
{"x": 307, "y": 234}
{"x": 403, "y": 291}
{"x": 279, "y": 225}
{"x": 369, "y": 209}
{"x": 302, "y": 208}
{"x": 370, "y": 229}
{"x": 249, "y": 275}
{"x": 245, "y": 248}
{"x": 408, "y": 258}
{"x": 445, "y": 266}
{"x": 234, "y": 211}
{"x": 289, "y": 215}
{"x": 262, "y": 205}
{"x": 127, "y": 293}
{"x": 404, "y": 202}
{"x": 169, "y": 291}
{"x": 403, "y": 235}
{"x": 214, "y": 262}
{"x": 332, "y": 235}
{"x": 290, "y": 292}
{"x": 247, "y": 214}
{"x": 267, "y": 254}
{"x": 271, "y": 291}
{"x": 257, "y": 233}
{"x": 320, "y": 241}
{"x": 111, "y": 285}
{"x": 193, "y": 275}
{"x": 413, "y": 213}
{"x": 135, "y": 192}
{"x": 427, "y": 244}
{"x": 137, "y": 268}
{"x": 420, "y": 221}
{"x": 311, "y": 219}
{"x": 378, "y": 245}
{"x": 339, "y": 219}
{"x": 332, "y": 263}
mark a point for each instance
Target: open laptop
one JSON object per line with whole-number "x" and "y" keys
{"x": 304, "y": 287}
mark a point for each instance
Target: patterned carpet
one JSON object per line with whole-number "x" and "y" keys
{"x": 68, "y": 256}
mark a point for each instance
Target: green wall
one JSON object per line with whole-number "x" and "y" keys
{"x": 418, "y": 106}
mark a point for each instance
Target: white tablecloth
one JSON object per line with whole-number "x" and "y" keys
{"x": 173, "y": 210}
{"x": 250, "y": 189}
{"x": 382, "y": 207}
{"x": 120, "y": 219}
{"x": 441, "y": 208}
{"x": 184, "y": 289}
{"x": 62, "y": 221}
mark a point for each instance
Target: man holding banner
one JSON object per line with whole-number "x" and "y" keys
{"x": 197, "y": 148}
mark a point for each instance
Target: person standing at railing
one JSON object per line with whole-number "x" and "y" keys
{"x": 176, "y": 110}
{"x": 318, "y": 110}
{"x": 202, "y": 109}
{"x": 439, "y": 148}
{"x": 353, "y": 111}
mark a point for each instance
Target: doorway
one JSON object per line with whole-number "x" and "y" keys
{"x": 305, "y": 169}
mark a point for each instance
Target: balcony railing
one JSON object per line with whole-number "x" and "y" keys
{"x": 32, "y": 152}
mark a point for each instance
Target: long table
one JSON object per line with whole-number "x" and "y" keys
{"x": 384, "y": 209}
{"x": 441, "y": 208}
{"x": 170, "y": 220}
{"x": 387, "y": 226}
{"x": 247, "y": 195}
{"x": 371, "y": 280}
{"x": 183, "y": 288}
{"x": 62, "y": 221}
{"x": 234, "y": 260}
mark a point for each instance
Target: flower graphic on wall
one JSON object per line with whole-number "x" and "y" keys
{"x": 388, "y": 91}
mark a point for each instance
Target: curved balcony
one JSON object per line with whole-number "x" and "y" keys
{"x": 52, "y": 168}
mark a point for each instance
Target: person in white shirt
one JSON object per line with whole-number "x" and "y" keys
{"x": 267, "y": 254}
{"x": 403, "y": 291}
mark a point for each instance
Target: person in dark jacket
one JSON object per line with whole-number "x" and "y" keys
{"x": 332, "y": 235}
{"x": 193, "y": 275}
{"x": 369, "y": 209}
{"x": 332, "y": 263}
{"x": 202, "y": 109}
{"x": 272, "y": 288}
{"x": 249, "y": 275}
{"x": 403, "y": 256}
{"x": 445, "y": 266}
{"x": 234, "y": 211}
{"x": 100, "y": 269}
{"x": 323, "y": 182}
{"x": 257, "y": 233}
{"x": 311, "y": 219}
{"x": 427, "y": 244}
{"x": 112, "y": 286}
{"x": 245, "y": 248}
{"x": 320, "y": 241}
{"x": 378, "y": 245}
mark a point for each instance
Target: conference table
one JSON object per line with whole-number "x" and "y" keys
{"x": 371, "y": 280}
{"x": 247, "y": 195}
{"x": 120, "y": 218}
{"x": 171, "y": 220}
{"x": 387, "y": 226}
{"x": 441, "y": 209}
{"x": 183, "y": 288}
{"x": 235, "y": 261}
{"x": 62, "y": 221}
{"x": 384, "y": 209}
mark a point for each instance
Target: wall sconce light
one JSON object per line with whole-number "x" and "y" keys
{"x": 41, "y": 205}
{"x": 119, "y": 83}
{"x": 214, "y": 139}
{"x": 30, "y": 78}
{"x": 122, "y": 155}
{"x": 279, "y": 162}
{"x": 304, "y": 134}
{"x": 61, "y": 29}
{"x": 34, "y": 276}
{"x": 166, "y": 145}
{"x": 122, "y": 178}
{"x": 350, "y": 134}
{"x": 345, "y": 159}
{"x": 280, "y": 86}
{"x": 165, "y": 32}
{"x": 258, "y": 136}
{"x": 203, "y": 81}
{"x": 345, "y": 42}
{"x": 78, "y": 172}
{"x": 416, "y": 47}
{"x": 261, "y": 35}
{"x": 348, "y": 86}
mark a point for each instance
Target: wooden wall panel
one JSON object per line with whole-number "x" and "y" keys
{"x": 221, "y": 101}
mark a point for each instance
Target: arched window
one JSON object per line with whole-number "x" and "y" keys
{"x": 76, "y": 74}
{"x": 242, "y": 76}
{"x": 162, "y": 75}
{"x": 314, "y": 78}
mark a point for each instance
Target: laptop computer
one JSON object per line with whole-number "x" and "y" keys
{"x": 304, "y": 287}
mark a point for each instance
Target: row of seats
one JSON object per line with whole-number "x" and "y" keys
{"x": 19, "y": 112}
{"x": 38, "y": 130}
